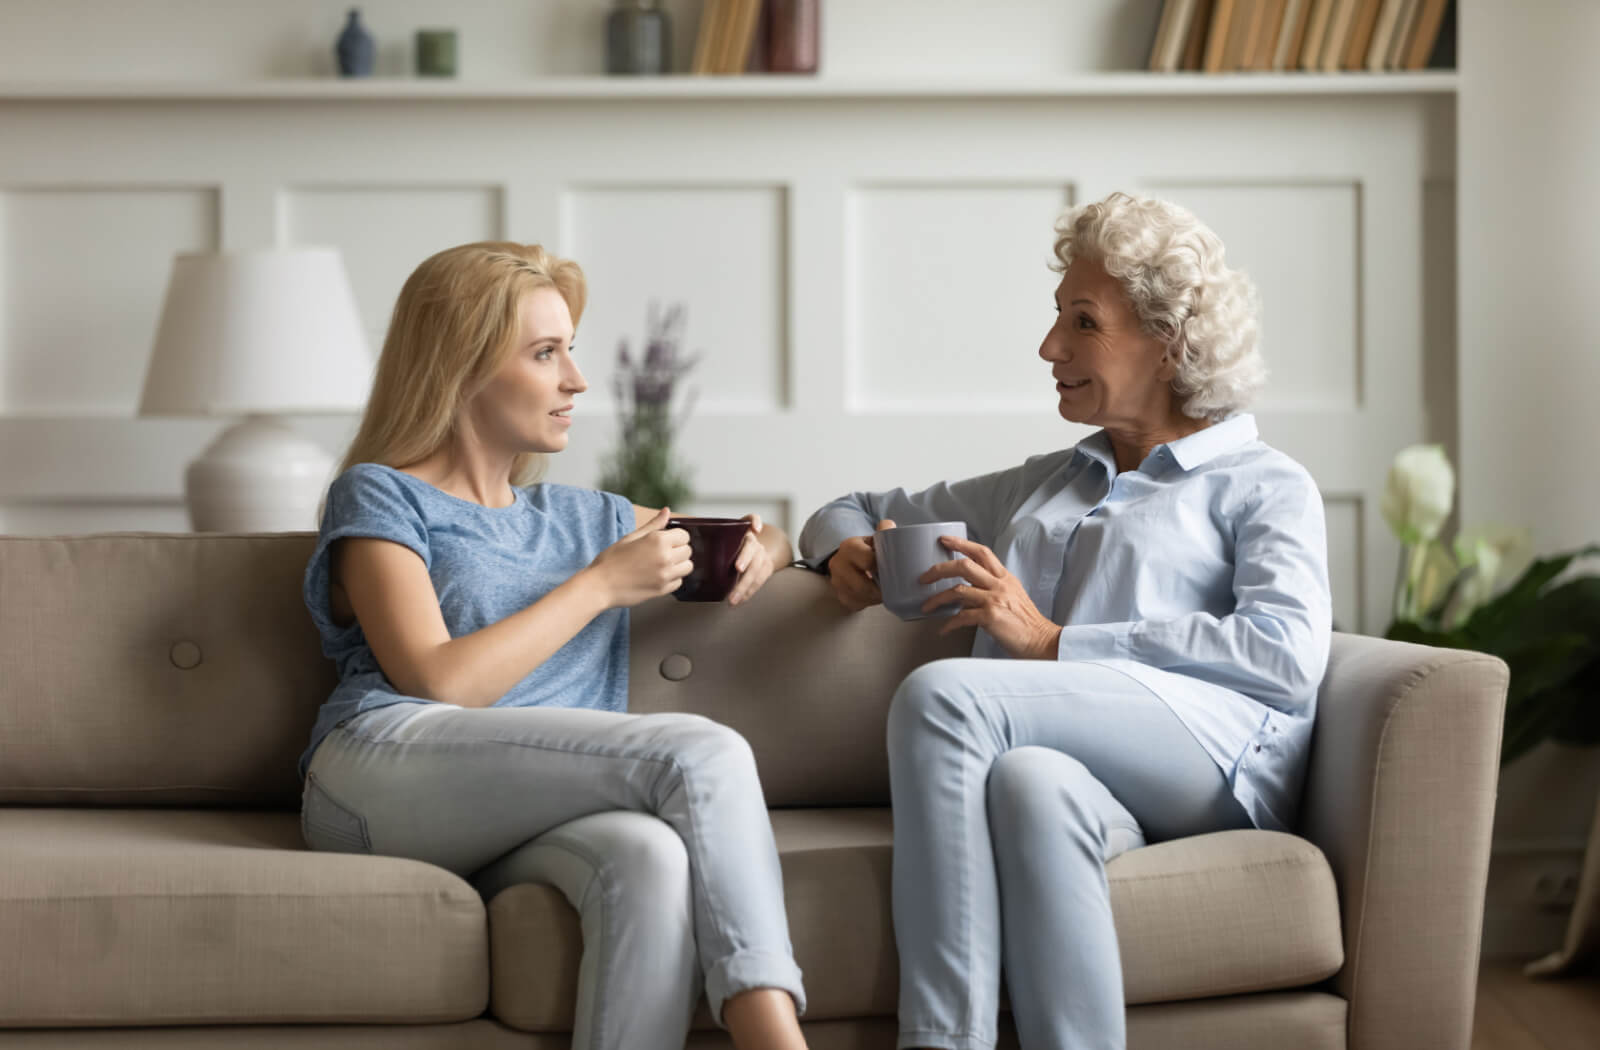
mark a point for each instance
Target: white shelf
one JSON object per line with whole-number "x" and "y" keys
{"x": 751, "y": 87}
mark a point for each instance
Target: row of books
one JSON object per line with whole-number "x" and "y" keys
{"x": 1326, "y": 36}
{"x": 727, "y": 35}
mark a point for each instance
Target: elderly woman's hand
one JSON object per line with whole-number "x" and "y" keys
{"x": 852, "y": 572}
{"x": 993, "y": 599}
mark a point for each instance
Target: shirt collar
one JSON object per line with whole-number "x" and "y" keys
{"x": 1205, "y": 445}
{"x": 1189, "y": 452}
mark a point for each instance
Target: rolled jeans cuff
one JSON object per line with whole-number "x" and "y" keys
{"x": 931, "y": 1037}
{"x": 749, "y": 969}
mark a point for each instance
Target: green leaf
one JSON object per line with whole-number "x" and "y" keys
{"x": 1502, "y": 612}
{"x": 1572, "y": 607}
{"x": 1544, "y": 664}
{"x": 1532, "y": 722}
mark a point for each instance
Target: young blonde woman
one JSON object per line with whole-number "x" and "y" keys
{"x": 480, "y": 628}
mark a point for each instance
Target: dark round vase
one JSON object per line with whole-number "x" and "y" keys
{"x": 355, "y": 48}
{"x": 638, "y": 39}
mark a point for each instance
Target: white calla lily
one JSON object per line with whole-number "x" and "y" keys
{"x": 1419, "y": 493}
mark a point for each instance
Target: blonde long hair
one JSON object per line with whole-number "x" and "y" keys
{"x": 454, "y": 325}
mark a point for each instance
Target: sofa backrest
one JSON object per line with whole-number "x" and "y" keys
{"x": 172, "y": 669}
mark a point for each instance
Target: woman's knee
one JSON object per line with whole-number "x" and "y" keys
{"x": 633, "y": 859}
{"x": 644, "y": 854}
{"x": 697, "y": 744}
{"x": 1035, "y": 791}
{"x": 935, "y": 700}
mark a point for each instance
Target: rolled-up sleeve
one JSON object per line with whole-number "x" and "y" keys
{"x": 1274, "y": 645}
{"x": 983, "y": 503}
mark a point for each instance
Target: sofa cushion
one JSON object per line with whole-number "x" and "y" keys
{"x": 1211, "y": 915}
{"x": 146, "y": 917}
{"x": 160, "y": 669}
{"x": 150, "y": 670}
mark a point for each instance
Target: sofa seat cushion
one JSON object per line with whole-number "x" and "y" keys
{"x": 152, "y": 917}
{"x": 1212, "y": 915}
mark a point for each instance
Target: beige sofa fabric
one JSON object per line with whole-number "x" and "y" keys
{"x": 807, "y": 684}
{"x": 468, "y": 1035}
{"x": 138, "y": 670}
{"x": 1206, "y": 916}
{"x": 102, "y": 699}
{"x": 192, "y": 917}
{"x": 1274, "y": 1021}
{"x": 1400, "y": 796}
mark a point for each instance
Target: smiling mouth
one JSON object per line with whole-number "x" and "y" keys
{"x": 1075, "y": 385}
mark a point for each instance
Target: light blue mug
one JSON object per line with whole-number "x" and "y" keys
{"x": 903, "y": 554}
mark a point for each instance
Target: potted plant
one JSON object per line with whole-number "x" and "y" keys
{"x": 644, "y": 467}
{"x": 1545, "y": 625}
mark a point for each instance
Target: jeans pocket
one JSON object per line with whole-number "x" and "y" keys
{"x": 327, "y": 824}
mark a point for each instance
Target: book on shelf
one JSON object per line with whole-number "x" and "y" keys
{"x": 1194, "y": 48}
{"x": 1404, "y": 23}
{"x": 1362, "y": 25}
{"x": 1241, "y": 34}
{"x": 1267, "y": 39}
{"x": 741, "y": 36}
{"x": 726, "y": 37}
{"x": 1316, "y": 31}
{"x": 1163, "y": 31}
{"x": 1172, "y": 36}
{"x": 1291, "y": 35}
{"x": 709, "y": 18}
{"x": 1340, "y": 22}
{"x": 1430, "y": 22}
{"x": 1384, "y": 31}
{"x": 1222, "y": 15}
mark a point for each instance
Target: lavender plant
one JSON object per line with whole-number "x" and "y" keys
{"x": 643, "y": 467}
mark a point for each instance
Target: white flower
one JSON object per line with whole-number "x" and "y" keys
{"x": 1418, "y": 494}
{"x": 1487, "y": 556}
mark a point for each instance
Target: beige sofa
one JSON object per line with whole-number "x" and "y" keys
{"x": 155, "y": 691}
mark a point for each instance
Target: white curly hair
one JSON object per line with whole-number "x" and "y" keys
{"x": 1171, "y": 268}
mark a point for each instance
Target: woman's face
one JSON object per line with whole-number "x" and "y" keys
{"x": 1108, "y": 372}
{"x": 527, "y": 405}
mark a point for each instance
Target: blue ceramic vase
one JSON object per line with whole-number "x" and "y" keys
{"x": 355, "y": 48}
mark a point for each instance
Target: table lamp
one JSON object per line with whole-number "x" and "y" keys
{"x": 257, "y": 334}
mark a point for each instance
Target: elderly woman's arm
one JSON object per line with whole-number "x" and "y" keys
{"x": 1274, "y": 645}
{"x": 984, "y": 503}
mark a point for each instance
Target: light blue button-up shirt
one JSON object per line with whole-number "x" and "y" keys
{"x": 1203, "y": 574}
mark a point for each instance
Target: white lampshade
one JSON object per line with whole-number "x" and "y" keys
{"x": 258, "y": 334}
{"x": 262, "y": 332}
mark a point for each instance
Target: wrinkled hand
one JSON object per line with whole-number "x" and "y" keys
{"x": 754, "y": 563}
{"x": 991, "y": 598}
{"x": 853, "y": 571}
{"x": 646, "y": 563}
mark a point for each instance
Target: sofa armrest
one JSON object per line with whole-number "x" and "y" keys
{"x": 1400, "y": 798}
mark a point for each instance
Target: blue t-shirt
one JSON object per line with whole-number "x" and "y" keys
{"x": 486, "y": 563}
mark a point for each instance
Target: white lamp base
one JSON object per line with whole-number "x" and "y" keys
{"x": 259, "y": 475}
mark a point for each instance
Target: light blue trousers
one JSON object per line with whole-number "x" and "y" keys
{"x": 1014, "y": 782}
{"x": 653, "y": 827}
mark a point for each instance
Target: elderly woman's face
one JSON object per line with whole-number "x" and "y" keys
{"x": 1108, "y": 372}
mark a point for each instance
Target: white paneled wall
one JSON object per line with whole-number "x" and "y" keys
{"x": 866, "y": 275}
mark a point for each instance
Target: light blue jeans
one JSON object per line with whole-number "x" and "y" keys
{"x": 653, "y": 827}
{"x": 1014, "y": 781}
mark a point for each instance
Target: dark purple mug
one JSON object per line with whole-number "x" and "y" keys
{"x": 714, "y": 547}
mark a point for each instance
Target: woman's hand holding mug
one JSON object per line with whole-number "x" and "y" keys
{"x": 646, "y": 563}
{"x": 853, "y": 571}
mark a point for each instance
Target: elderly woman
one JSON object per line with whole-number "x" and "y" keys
{"x": 1153, "y": 621}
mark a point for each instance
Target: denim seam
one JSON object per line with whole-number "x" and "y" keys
{"x": 597, "y": 877}
{"x": 696, "y": 877}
